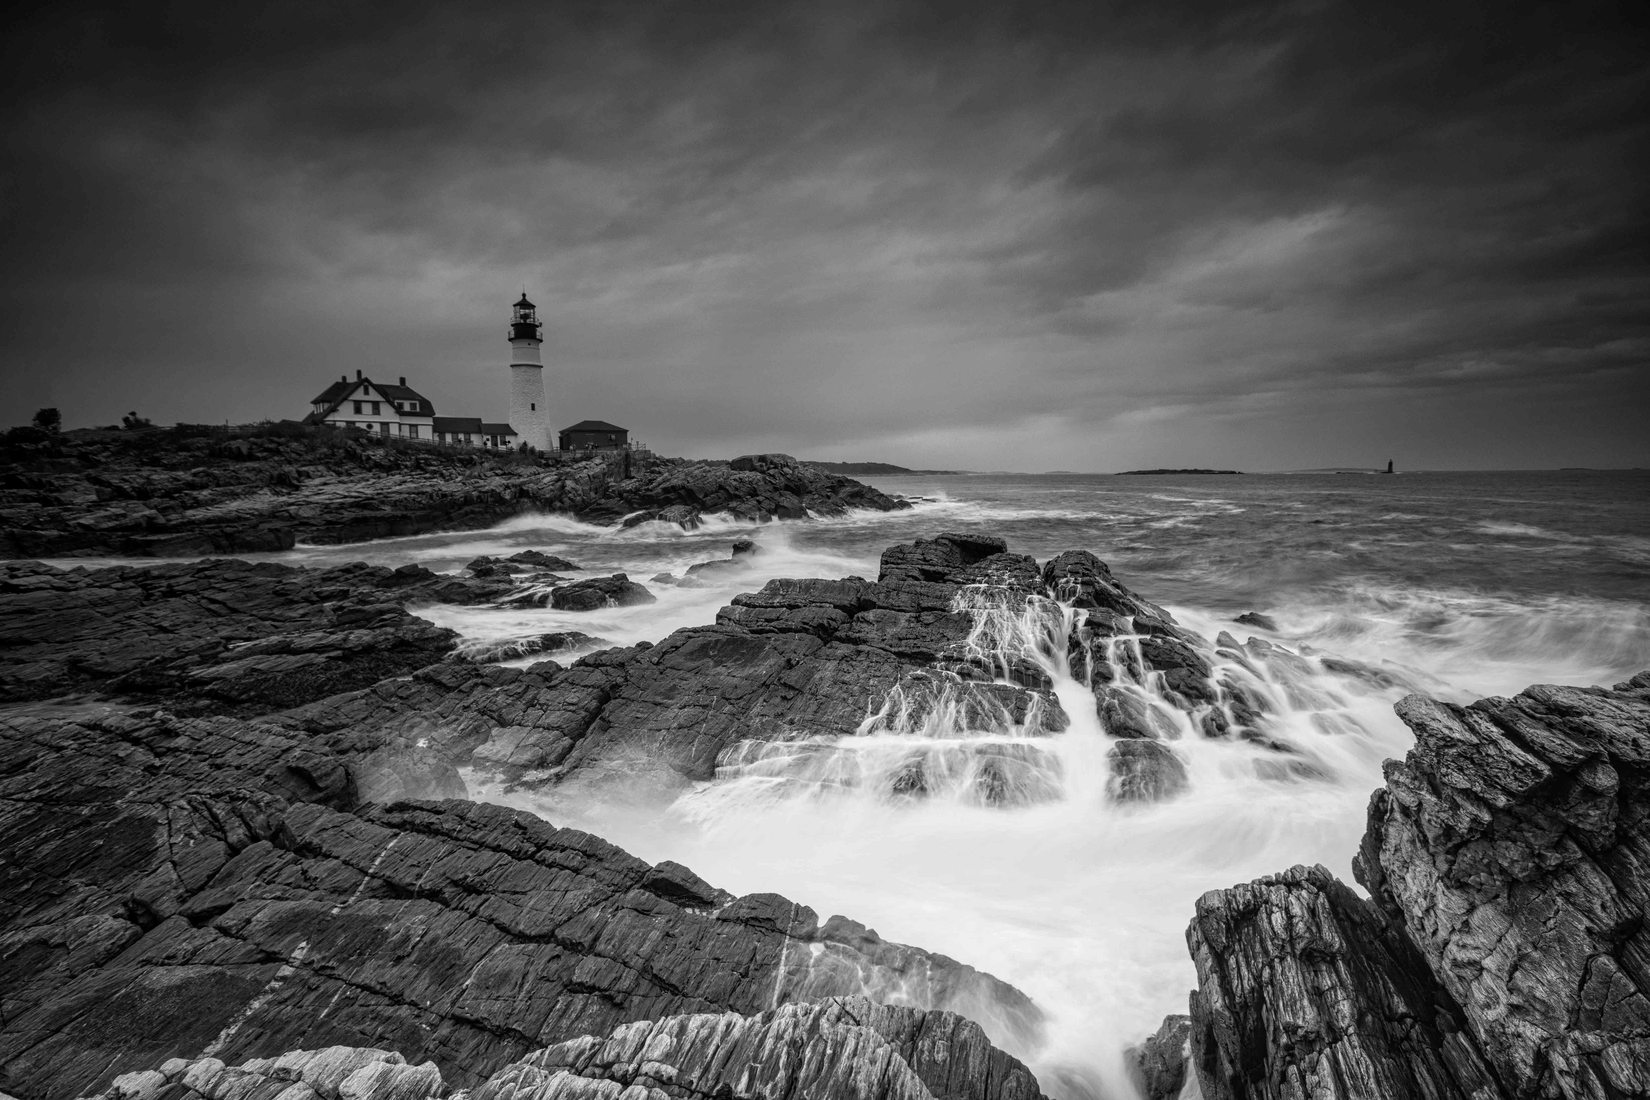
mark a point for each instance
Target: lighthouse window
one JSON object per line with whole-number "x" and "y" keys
{"x": 533, "y": 406}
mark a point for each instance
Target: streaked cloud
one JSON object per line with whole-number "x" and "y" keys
{"x": 997, "y": 236}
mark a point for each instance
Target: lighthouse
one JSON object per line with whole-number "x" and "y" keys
{"x": 528, "y": 415}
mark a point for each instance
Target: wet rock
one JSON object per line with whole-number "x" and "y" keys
{"x": 705, "y": 569}
{"x": 1510, "y": 845}
{"x": 227, "y": 636}
{"x": 246, "y": 901}
{"x": 596, "y": 592}
{"x": 685, "y": 516}
{"x": 1131, "y": 714}
{"x": 799, "y": 660}
{"x": 1257, "y": 620}
{"x": 1304, "y": 991}
{"x": 1144, "y": 771}
{"x": 538, "y": 559}
{"x": 840, "y": 1047}
{"x": 556, "y": 641}
{"x": 937, "y": 559}
{"x": 1502, "y": 952}
{"x": 1158, "y": 1066}
{"x": 740, "y": 562}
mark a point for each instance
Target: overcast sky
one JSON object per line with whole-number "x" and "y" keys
{"x": 1005, "y": 236}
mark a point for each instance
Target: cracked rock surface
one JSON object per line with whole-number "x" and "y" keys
{"x": 849, "y": 1048}
{"x": 218, "y": 888}
{"x": 1505, "y": 952}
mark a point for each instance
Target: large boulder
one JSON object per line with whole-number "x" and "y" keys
{"x": 598, "y": 592}
{"x": 1512, "y": 846}
{"x": 1504, "y": 951}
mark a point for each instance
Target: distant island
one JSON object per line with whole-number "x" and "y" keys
{"x": 858, "y": 469}
{"x": 1185, "y": 471}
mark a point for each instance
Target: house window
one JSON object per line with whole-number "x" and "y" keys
{"x": 412, "y": 431}
{"x": 358, "y": 409}
{"x": 375, "y": 408}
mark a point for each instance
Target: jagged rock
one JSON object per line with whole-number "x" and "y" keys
{"x": 1512, "y": 845}
{"x": 937, "y": 559}
{"x": 332, "y": 1073}
{"x": 742, "y": 547}
{"x": 1503, "y": 954}
{"x": 1305, "y": 992}
{"x": 1158, "y": 1066}
{"x": 846, "y": 1047}
{"x": 841, "y": 1047}
{"x": 1144, "y": 771}
{"x": 798, "y": 660}
{"x": 224, "y": 889}
{"x": 1136, "y": 657}
{"x": 596, "y": 592}
{"x": 1132, "y": 714}
{"x": 226, "y": 635}
{"x": 1257, "y": 620}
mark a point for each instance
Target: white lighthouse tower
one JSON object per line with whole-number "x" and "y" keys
{"x": 528, "y": 415}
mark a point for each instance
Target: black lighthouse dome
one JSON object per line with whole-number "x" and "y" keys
{"x": 524, "y": 320}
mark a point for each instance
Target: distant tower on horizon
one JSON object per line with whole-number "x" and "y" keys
{"x": 528, "y": 416}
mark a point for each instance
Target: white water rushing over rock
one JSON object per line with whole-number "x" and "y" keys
{"x": 948, "y": 824}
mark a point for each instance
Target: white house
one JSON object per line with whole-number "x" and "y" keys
{"x": 378, "y": 407}
{"x": 401, "y": 412}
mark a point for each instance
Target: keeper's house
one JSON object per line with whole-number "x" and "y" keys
{"x": 594, "y": 435}
{"x": 400, "y": 412}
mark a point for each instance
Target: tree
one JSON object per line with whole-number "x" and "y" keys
{"x": 132, "y": 422}
{"x": 48, "y": 420}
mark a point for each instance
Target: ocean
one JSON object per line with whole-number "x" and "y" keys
{"x": 1456, "y": 584}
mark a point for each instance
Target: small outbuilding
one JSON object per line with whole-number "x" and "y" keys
{"x": 589, "y": 435}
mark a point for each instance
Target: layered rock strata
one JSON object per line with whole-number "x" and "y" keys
{"x": 853, "y": 1048}
{"x": 216, "y": 888}
{"x": 223, "y": 636}
{"x": 1504, "y": 953}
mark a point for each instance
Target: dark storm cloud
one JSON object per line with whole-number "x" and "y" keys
{"x": 988, "y": 235}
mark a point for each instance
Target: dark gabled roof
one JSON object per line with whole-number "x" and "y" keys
{"x": 466, "y": 424}
{"x": 407, "y": 393}
{"x": 337, "y": 393}
{"x": 497, "y": 429}
{"x": 334, "y": 392}
{"x": 595, "y": 426}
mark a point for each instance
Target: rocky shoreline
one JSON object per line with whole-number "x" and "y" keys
{"x": 238, "y": 862}
{"x": 189, "y": 490}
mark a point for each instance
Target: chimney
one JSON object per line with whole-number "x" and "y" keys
{"x": 343, "y": 378}
{"x": 358, "y": 376}
{"x": 403, "y": 380}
